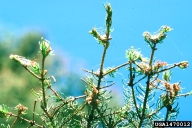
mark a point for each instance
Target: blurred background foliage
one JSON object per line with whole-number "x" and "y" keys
{"x": 16, "y": 83}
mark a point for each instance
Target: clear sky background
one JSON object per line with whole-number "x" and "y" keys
{"x": 66, "y": 25}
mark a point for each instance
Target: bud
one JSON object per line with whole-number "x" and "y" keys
{"x": 158, "y": 37}
{"x": 159, "y": 64}
{"x": 176, "y": 88}
{"x": 45, "y": 47}
{"x": 20, "y": 59}
{"x": 88, "y": 99}
{"x": 183, "y": 64}
{"x": 47, "y": 83}
{"x": 165, "y": 29}
{"x": 133, "y": 54}
{"x": 95, "y": 34}
{"x": 95, "y": 91}
{"x": 145, "y": 69}
{"x": 45, "y": 72}
{"x": 32, "y": 65}
{"x": 147, "y": 37}
{"x": 21, "y": 108}
{"x": 108, "y": 18}
{"x": 167, "y": 85}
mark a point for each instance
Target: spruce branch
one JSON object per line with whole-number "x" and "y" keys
{"x": 147, "y": 86}
{"x": 105, "y": 42}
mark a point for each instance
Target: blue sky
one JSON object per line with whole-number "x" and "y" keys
{"x": 66, "y": 25}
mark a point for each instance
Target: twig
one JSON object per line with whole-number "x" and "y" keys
{"x": 43, "y": 90}
{"x": 107, "y": 85}
{"x": 85, "y": 82}
{"x": 15, "y": 120}
{"x": 151, "y": 114}
{"x": 104, "y": 74}
{"x": 113, "y": 69}
{"x": 185, "y": 95}
{"x": 66, "y": 102}
{"x": 42, "y": 82}
{"x": 174, "y": 65}
{"x": 26, "y": 120}
{"x": 140, "y": 80}
{"x": 34, "y": 112}
{"x": 96, "y": 74}
{"x": 38, "y": 77}
{"x": 131, "y": 79}
{"x": 56, "y": 94}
